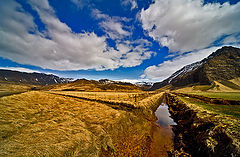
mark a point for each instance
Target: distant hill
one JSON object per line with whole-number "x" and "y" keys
{"x": 30, "y": 78}
{"x": 222, "y": 66}
{"x": 92, "y": 85}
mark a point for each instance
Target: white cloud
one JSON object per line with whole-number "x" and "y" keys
{"x": 135, "y": 54}
{"x": 20, "y": 69}
{"x": 167, "y": 68}
{"x": 232, "y": 39}
{"x": 58, "y": 47}
{"x": 83, "y": 3}
{"x": 78, "y": 3}
{"x": 129, "y": 80}
{"x": 112, "y": 25}
{"x": 187, "y": 25}
{"x": 133, "y": 3}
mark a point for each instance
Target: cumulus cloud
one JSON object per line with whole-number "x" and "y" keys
{"x": 112, "y": 25}
{"x": 187, "y": 25}
{"x": 58, "y": 47}
{"x": 167, "y": 68}
{"x": 136, "y": 54}
{"x": 133, "y": 3}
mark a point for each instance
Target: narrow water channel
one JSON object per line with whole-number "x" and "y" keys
{"x": 162, "y": 132}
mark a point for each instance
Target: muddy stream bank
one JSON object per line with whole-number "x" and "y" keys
{"x": 198, "y": 136}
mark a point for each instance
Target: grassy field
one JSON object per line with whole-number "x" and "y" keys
{"x": 8, "y": 88}
{"x": 226, "y": 115}
{"x": 231, "y": 110}
{"x": 130, "y": 97}
{"x": 44, "y": 124}
{"x": 222, "y": 95}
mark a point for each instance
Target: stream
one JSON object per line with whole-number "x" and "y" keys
{"x": 162, "y": 133}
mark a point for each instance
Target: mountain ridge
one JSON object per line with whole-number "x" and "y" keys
{"x": 223, "y": 65}
{"x": 31, "y": 78}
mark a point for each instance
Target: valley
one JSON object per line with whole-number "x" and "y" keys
{"x": 195, "y": 112}
{"x": 54, "y": 123}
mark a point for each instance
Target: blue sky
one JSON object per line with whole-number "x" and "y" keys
{"x": 131, "y": 40}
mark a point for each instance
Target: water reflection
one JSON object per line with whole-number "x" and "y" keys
{"x": 163, "y": 116}
{"x": 162, "y": 135}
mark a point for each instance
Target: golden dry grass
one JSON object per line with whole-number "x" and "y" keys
{"x": 38, "y": 123}
{"x": 7, "y": 88}
{"x": 134, "y": 98}
{"x": 236, "y": 81}
{"x": 43, "y": 124}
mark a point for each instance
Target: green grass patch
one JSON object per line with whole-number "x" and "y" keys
{"x": 203, "y": 87}
{"x": 229, "y": 84}
{"x": 223, "y": 95}
{"x": 232, "y": 110}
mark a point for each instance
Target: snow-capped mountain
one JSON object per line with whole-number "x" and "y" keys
{"x": 185, "y": 70}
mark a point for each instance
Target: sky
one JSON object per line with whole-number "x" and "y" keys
{"x": 127, "y": 40}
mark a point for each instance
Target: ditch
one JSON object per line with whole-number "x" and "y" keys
{"x": 162, "y": 134}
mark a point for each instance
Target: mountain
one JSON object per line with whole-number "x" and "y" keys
{"x": 92, "y": 85}
{"x": 144, "y": 85}
{"x": 30, "y": 78}
{"x": 222, "y": 66}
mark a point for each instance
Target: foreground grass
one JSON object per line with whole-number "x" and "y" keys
{"x": 44, "y": 124}
{"x": 222, "y": 95}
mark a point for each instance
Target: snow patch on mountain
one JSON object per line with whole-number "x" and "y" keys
{"x": 186, "y": 69}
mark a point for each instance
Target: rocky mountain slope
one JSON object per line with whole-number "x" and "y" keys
{"x": 222, "y": 66}
{"x": 30, "y": 78}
